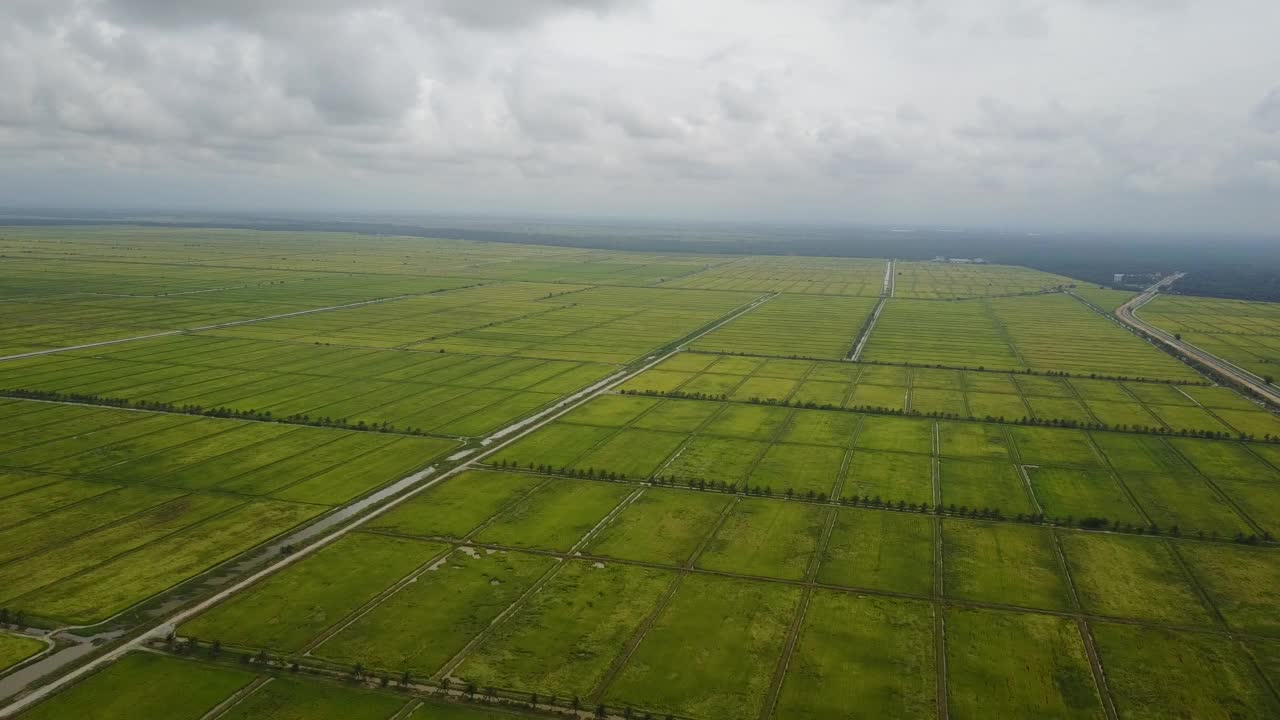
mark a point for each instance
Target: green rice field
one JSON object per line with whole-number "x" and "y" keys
{"x": 623, "y": 485}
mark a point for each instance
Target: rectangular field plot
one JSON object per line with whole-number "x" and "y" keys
{"x": 793, "y": 326}
{"x": 877, "y": 652}
{"x": 881, "y": 551}
{"x": 820, "y": 276}
{"x": 565, "y": 637}
{"x": 816, "y": 427}
{"x": 957, "y": 280}
{"x": 898, "y": 434}
{"x": 990, "y": 485}
{"x": 751, "y": 422}
{"x": 660, "y": 526}
{"x": 632, "y": 453}
{"x": 729, "y": 635}
{"x": 766, "y": 538}
{"x": 1026, "y": 571}
{"x": 1132, "y": 577}
{"x": 944, "y": 403}
{"x": 1139, "y": 453}
{"x": 1058, "y": 332}
{"x": 954, "y": 334}
{"x": 677, "y": 416}
{"x": 972, "y": 440}
{"x": 1081, "y": 493}
{"x": 314, "y": 465}
{"x": 293, "y": 607}
{"x": 1012, "y": 666}
{"x": 285, "y": 698}
{"x": 144, "y": 685}
{"x": 1157, "y": 673}
{"x": 1243, "y": 582}
{"x": 451, "y": 394}
{"x": 426, "y": 623}
{"x": 1053, "y": 446}
{"x": 1186, "y": 502}
{"x": 457, "y": 506}
{"x": 555, "y": 516}
{"x": 997, "y": 406}
{"x": 798, "y": 468}
{"x": 1224, "y": 460}
{"x": 716, "y": 459}
{"x": 889, "y": 476}
{"x": 600, "y": 324}
{"x": 107, "y": 589}
{"x": 557, "y": 445}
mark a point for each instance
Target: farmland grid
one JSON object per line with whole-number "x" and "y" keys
{"x": 667, "y": 489}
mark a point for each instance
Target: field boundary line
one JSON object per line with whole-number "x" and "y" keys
{"x": 620, "y": 661}
{"x": 1115, "y": 477}
{"x": 907, "y": 395}
{"x": 964, "y": 394}
{"x": 380, "y": 597}
{"x": 774, "y": 693}
{"x": 856, "y": 590}
{"x": 1207, "y": 601}
{"x": 1004, "y": 332}
{"x": 1209, "y": 410}
{"x": 397, "y": 495}
{"x": 842, "y": 476}
{"x": 1075, "y": 393}
{"x": 104, "y": 526}
{"x": 1257, "y": 529}
{"x": 800, "y": 381}
{"x": 1026, "y": 484}
{"x": 1237, "y": 638}
{"x": 453, "y": 545}
{"x": 409, "y": 708}
{"x": 245, "y": 500}
{"x": 769, "y": 445}
{"x": 453, "y": 663}
{"x": 236, "y": 697}
{"x": 939, "y": 605}
{"x": 1086, "y": 634}
{"x": 935, "y": 466}
{"x": 860, "y": 342}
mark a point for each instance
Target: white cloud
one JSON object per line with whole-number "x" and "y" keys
{"x": 834, "y": 110}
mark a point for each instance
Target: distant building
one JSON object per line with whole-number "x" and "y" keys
{"x": 1119, "y": 278}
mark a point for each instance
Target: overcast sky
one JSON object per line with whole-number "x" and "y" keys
{"x": 1141, "y": 114}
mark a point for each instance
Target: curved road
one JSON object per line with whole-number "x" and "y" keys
{"x": 1127, "y": 314}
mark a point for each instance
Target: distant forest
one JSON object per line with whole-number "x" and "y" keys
{"x": 1230, "y": 267}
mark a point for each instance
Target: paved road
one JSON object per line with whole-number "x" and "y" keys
{"x": 1127, "y": 314}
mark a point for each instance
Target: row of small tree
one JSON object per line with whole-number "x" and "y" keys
{"x": 970, "y": 368}
{"x": 217, "y": 412}
{"x": 938, "y": 415}
{"x": 358, "y": 673}
{"x": 990, "y": 513}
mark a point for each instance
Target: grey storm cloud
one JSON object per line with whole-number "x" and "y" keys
{"x": 925, "y": 111}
